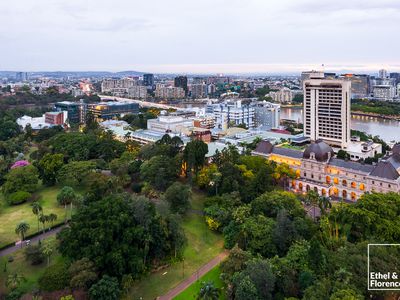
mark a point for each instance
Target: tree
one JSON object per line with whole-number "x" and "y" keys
{"x": 236, "y": 262}
{"x": 178, "y": 196}
{"x": 324, "y": 203}
{"x": 208, "y": 291}
{"x": 342, "y": 154}
{"x": 37, "y": 210}
{"x": 14, "y": 280}
{"x": 47, "y": 250}
{"x": 160, "y": 171}
{"x": 312, "y": 198}
{"x": 83, "y": 273}
{"x": 127, "y": 283}
{"x": 66, "y": 196}
{"x": 49, "y": 166}
{"x": 245, "y": 290}
{"x": 55, "y": 277}
{"x": 75, "y": 172}
{"x": 21, "y": 229}
{"x": 107, "y": 288}
{"x": 43, "y": 219}
{"x": 21, "y": 179}
{"x": 52, "y": 218}
{"x": 194, "y": 155}
{"x": 34, "y": 254}
{"x": 123, "y": 235}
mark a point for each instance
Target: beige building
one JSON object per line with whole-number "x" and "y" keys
{"x": 327, "y": 109}
{"x": 169, "y": 92}
{"x": 317, "y": 169}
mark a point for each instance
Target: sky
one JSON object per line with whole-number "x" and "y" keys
{"x": 202, "y": 36}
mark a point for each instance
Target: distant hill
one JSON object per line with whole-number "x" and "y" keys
{"x": 73, "y": 74}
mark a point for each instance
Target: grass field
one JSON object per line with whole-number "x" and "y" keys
{"x": 10, "y": 216}
{"x": 192, "y": 291}
{"x": 24, "y": 268}
{"x": 203, "y": 245}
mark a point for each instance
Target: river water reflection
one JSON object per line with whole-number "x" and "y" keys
{"x": 388, "y": 130}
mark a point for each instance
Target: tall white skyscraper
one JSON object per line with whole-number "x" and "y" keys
{"x": 327, "y": 109}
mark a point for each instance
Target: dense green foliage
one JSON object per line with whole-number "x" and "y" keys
{"x": 376, "y": 107}
{"x": 120, "y": 234}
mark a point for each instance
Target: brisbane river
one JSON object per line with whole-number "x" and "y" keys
{"x": 388, "y": 130}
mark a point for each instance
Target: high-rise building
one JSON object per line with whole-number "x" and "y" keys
{"x": 148, "y": 79}
{"x": 21, "y": 76}
{"x": 198, "y": 90}
{"x": 384, "y": 92}
{"x": 169, "y": 92}
{"x": 327, "y": 109}
{"x": 118, "y": 87}
{"x": 139, "y": 92}
{"x": 182, "y": 82}
{"x": 267, "y": 115}
{"x": 284, "y": 95}
{"x": 383, "y": 73}
{"x": 360, "y": 85}
{"x": 76, "y": 111}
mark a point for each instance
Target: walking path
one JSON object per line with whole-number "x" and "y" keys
{"x": 42, "y": 236}
{"x": 195, "y": 276}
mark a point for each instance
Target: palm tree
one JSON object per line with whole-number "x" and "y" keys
{"x": 52, "y": 218}
{"x": 37, "y": 209}
{"x": 312, "y": 198}
{"x": 208, "y": 291}
{"x": 21, "y": 229}
{"x": 65, "y": 197}
{"x": 14, "y": 280}
{"x": 324, "y": 203}
{"x": 43, "y": 219}
{"x": 47, "y": 250}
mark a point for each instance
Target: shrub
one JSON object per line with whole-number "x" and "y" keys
{"x": 18, "y": 197}
{"x": 34, "y": 254}
{"x": 55, "y": 277}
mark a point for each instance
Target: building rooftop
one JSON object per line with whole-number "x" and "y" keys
{"x": 347, "y": 164}
{"x": 384, "y": 169}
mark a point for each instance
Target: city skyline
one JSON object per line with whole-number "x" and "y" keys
{"x": 211, "y": 37}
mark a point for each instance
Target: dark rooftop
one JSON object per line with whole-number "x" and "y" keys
{"x": 288, "y": 152}
{"x": 351, "y": 165}
{"x": 385, "y": 169}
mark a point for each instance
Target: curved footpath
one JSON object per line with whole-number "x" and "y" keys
{"x": 189, "y": 281}
{"x": 42, "y": 236}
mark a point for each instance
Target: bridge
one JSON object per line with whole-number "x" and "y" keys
{"x": 140, "y": 102}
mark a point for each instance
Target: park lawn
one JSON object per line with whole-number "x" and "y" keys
{"x": 203, "y": 245}
{"x": 192, "y": 291}
{"x": 10, "y": 216}
{"x": 24, "y": 268}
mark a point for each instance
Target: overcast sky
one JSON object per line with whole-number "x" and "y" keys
{"x": 187, "y": 36}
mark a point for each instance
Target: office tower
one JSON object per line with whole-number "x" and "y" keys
{"x": 360, "y": 85}
{"x": 383, "y": 73}
{"x": 76, "y": 111}
{"x": 148, "y": 79}
{"x": 327, "y": 109}
{"x": 181, "y": 81}
{"x": 21, "y": 76}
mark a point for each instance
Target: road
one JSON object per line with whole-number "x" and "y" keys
{"x": 141, "y": 103}
{"x": 42, "y": 236}
{"x": 195, "y": 276}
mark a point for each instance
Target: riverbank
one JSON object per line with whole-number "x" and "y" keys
{"x": 375, "y": 115}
